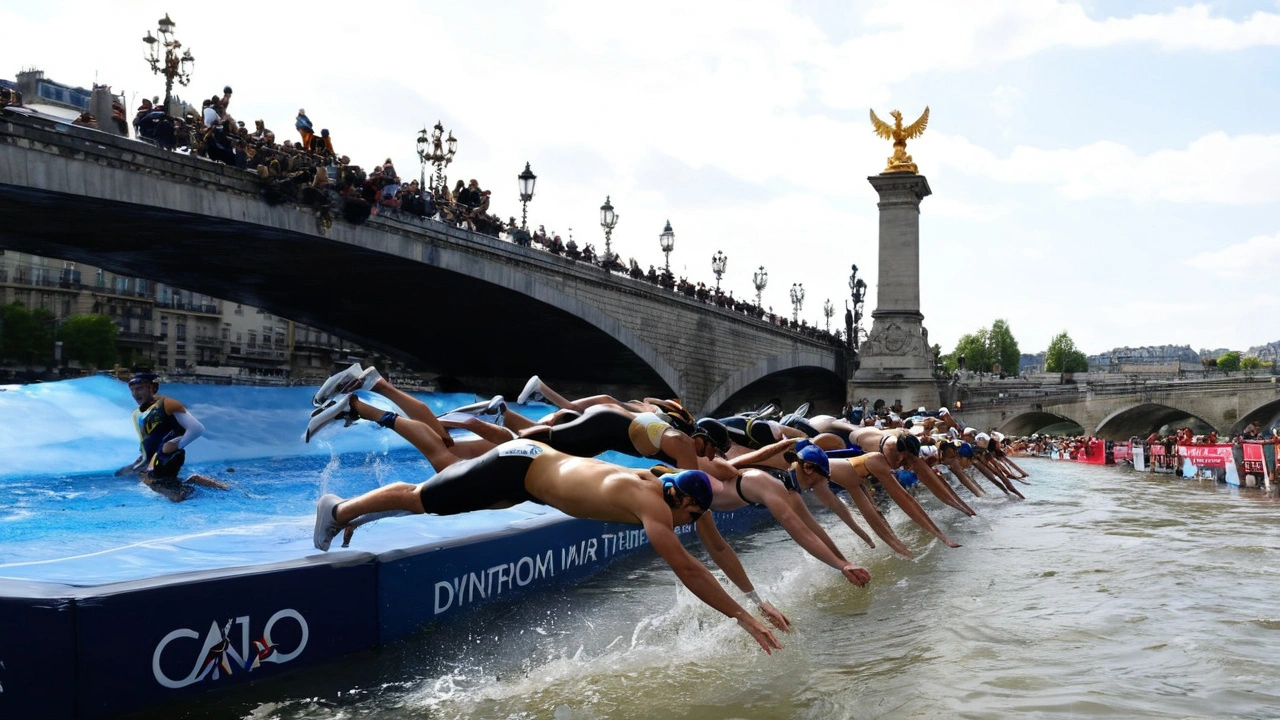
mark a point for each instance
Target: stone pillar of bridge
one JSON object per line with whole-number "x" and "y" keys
{"x": 896, "y": 360}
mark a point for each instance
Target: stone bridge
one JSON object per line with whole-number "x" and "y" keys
{"x": 1119, "y": 410}
{"x": 471, "y": 307}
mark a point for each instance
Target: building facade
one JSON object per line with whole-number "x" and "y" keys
{"x": 176, "y": 331}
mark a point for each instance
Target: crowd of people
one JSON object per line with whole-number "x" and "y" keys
{"x": 308, "y": 170}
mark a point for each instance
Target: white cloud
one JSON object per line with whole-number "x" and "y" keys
{"x": 1005, "y": 100}
{"x": 1213, "y": 169}
{"x": 1255, "y": 259}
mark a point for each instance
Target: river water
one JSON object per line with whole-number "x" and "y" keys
{"x": 1106, "y": 594}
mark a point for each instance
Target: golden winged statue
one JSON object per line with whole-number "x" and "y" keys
{"x": 900, "y": 162}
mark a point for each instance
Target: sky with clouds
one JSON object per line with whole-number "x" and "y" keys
{"x": 1108, "y": 169}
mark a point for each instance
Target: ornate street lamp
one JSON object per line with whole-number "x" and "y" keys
{"x": 760, "y": 279}
{"x": 169, "y": 64}
{"x": 718, "y": 261}
{"x": 527, "y": 181}
{"x": 424, "y": 155}
{"x": 797, "y": 300}
{"x": 441, "y": 151}
{"x": 608, "y": 220}
{"x": 858, "y": 288}
{"x": 667, "y": 241}
{"x": 828, "y": 309}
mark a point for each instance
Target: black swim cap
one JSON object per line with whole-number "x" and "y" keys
{"x": 716, "y": 433}
{"x": 909, "y": 444}
{"x": 144, "y": 377}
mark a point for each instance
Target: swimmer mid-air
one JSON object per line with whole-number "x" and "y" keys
{"x": 524, "y": 470}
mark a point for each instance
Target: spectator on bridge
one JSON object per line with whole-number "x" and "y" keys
{"x": 304, "y": 126}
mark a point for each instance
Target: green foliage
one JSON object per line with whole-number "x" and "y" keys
{"x": 27, "y": 336}
{"x": 1004, "y": 348}
{"x": 985, "y": 348}
{"x": 1229, "y": 361}
{"x": 973, "y": 348}
{"x": 89, "y": 339}
{"x": 1063, "y": 357}
{"x": 1251, "y": 363}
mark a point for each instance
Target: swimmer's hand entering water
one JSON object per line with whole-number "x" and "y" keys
{"x": 775, "y": 617}
{"x": 857, "y": 575}
{"x": 758, "y": 631}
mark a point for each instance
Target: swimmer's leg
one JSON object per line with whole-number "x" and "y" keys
{"x": 829, "y": 441}
{"x": 494, "y": 434}
{"x": 399, "y": 496}
{"x": 418, "y": 433}
{"x": 414, "y": 409}
{"x": 515, "y": 421}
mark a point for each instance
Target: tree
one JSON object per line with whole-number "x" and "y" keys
{"x": 1229, "y": 361}
{"x": 89, "y": 339}
{"x": 1004, "y": 348}
{"x": 973, "y": 348}
{"x": 1251, "y": 363}
{"x": 1063, "y": 357}
{"x": 28, "y": 335}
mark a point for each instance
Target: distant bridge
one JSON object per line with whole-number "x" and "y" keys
{"x": 1119, "y": 410}
{"x": 471, "y": 307}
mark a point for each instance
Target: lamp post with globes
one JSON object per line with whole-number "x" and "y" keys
{"x": 667, "y": 241}
{"x": 760, "y": 279}
{"x": 608, "y": 221}
{"x": 718, "y": 262}
{"x": 858, "y": 289}
{"x": 441, "y": 152}
{"x": 171, "y": 65}
{"x": 527, "y": 181}
{"x": 424, "y": 155}
{"x": 828, "y": 309}
{"x": 797, "y": 300}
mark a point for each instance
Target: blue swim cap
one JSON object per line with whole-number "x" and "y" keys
{"x": 808, "y": 452}
{"x": 693, "y": 483}
{"x": 966, "y": 450}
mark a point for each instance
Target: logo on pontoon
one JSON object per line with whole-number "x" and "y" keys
{"x": 218, "y": 656}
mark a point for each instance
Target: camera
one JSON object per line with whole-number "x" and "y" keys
{"x": 226, "y": 90}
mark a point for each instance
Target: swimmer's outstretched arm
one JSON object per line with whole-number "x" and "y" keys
{"x": 695, "y": 576}
{"x": 939, "y": 487}
{"x": 755, "y": 457}
{"x": 727, "y": 560}
{"x": 1008, "y": 491}
{"x": 881, "y": 527}
{"x": 833, "y": 503}
{"x": 963, "y": 477}
{"x": 208, "y": 482}
{"x": 795, "y": 518}
{"x": 880, "y": 468}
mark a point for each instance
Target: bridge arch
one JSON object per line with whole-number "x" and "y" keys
{"x": 1145, "y": 418}
{"x": 798, "y": 374}
{"x": 1264, "y": 415}
{"x": 1036, "y": 421}
{"x": 530, "y": 286}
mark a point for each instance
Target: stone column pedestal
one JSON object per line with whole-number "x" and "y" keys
{"x": 896, "y": 360}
